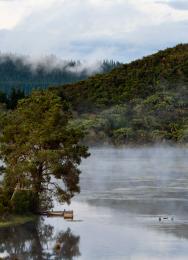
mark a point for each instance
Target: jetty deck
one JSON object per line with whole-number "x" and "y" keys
{"x": 65, "y": 214}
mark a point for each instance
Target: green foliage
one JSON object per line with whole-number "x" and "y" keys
{"x": 123, "y": 135}
{"x": 9, "y": 101}
{"x": 144, "y": 101}
{"x": 157, "y": 118}
{"x": 14, "y": 97}
{"x": 38, "y": 147}
{"x": 5, "y": 206}
{"x": 17, "y": 72}
{"x": 23, "y": 202}
{"x": 164, "y": 71}
{"x": 3, "y": 98}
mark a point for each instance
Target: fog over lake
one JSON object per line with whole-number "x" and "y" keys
{"x": 133, "y": 205}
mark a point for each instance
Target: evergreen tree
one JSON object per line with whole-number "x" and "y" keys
{"x": 40, "y": 151}
{"x": 15, "y": 95}
{"x": 3, "y": 98}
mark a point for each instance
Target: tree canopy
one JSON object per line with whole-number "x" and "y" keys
{"x": 145, "y": 101}
{"x": 163, "y": 71}
{"x": 40, "y": 151}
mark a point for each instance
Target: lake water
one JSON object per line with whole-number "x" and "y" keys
{"x": 133, "y": 205}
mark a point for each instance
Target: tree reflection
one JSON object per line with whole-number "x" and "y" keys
{"x": 68, "y": 245}
{"x": 37, "y": 241}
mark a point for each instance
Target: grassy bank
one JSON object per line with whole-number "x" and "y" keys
{"x": 17, "y": 220}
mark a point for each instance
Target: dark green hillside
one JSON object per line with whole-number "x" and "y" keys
{"x": 165, "y": 71}
{"x": 17, "y": 72}
{"x": 144, "y": 101}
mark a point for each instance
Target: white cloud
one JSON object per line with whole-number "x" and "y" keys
{"x": 12, "y": 12}
{"x": 177, "y": 4}
{"x": 92, "y": 29}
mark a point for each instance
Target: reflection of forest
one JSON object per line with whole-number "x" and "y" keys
{"x": 37, "y": 241}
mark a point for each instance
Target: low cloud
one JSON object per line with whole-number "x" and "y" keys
{"x": 94, "y": 30}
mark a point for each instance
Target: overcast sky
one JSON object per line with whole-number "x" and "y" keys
{"x": 92, "y": 29}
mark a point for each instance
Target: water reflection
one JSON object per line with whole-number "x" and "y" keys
{"x": 38, "y": 241}
{"x": 68, "y": 245}
{"x": 124, "y": 192}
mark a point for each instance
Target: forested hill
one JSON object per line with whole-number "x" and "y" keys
{"x": 24, "y": 74}
{"x": 164, "y": 71}
{"x": 144, "y": 101}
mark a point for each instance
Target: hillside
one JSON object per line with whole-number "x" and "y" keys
{"x": 166, "y": 70}
{"x": 25, "y": 75}
{"x": 144, "y": 101}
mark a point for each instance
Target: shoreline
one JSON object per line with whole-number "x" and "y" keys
{"x": 138, "y": 146}
{"x": 15, "y": 220}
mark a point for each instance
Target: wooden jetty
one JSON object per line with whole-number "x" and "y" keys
{"x": 66, "y": 214}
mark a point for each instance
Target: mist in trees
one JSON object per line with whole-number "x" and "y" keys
{"x": 26, "y": 74}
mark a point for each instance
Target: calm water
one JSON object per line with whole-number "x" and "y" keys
{"x": 124, "y": 193}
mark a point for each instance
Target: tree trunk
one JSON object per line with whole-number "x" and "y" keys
{"x": 37, "y": 186}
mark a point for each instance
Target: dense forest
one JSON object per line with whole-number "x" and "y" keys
{"x": 24, "y": 74}
{"x": 145, "y": 101}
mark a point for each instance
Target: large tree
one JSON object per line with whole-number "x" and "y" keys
{"x": 40, "y": 151}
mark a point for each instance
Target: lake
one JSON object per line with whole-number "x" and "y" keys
{"x": 133, "y": 205}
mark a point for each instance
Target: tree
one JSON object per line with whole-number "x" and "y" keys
{"x": 3, "y": 97}
{"x": 41, "y": 152}
{"x": 14, "y": 97}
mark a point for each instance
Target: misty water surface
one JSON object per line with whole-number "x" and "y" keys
{"x": 124, "y": 193}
